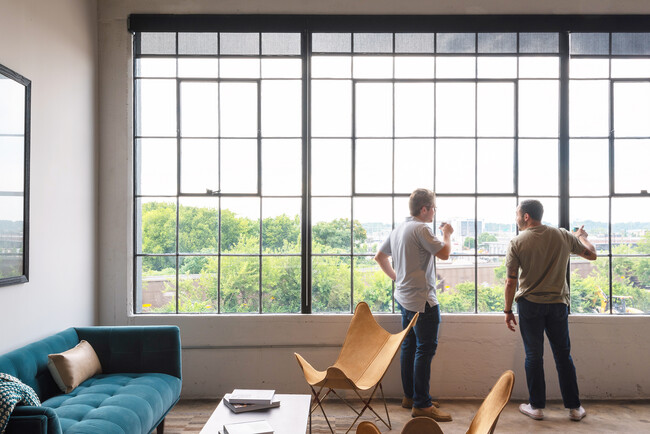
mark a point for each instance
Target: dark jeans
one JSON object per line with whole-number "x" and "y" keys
{"x": 534, "y": 319}
{"x": 418, "y": 348}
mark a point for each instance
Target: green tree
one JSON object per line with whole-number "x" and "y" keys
{"x": 469, "y": 243}
{"x": 335, "y": 235}
{"x": 486, "y": 237}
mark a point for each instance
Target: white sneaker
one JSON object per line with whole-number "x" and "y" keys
{"x": 577, "y": 413}
{"x": 532, "y": 412}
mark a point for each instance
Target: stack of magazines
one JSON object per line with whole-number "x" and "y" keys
{"x": 242, "y": 400}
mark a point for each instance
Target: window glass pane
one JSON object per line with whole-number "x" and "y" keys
{"x": 155, "y": 107}
{"x": 331, "y": 230}
{"x": 630, "y": 281}
{"x": 630, "y": 225}
{"x": 281, "y": 226}
{"x": 198, "y": 284}
{"x": 331, "y": 108}
{"x": 413, "y": 165}
{"x": 374, "y": 110}
{"x": 281, "y": 167}
{"x": 632, "y": 109}
{"x": 456, "y": 285}
{"x": 281, "y": 43}
{"x": 281, "y": 108}
{"x": 455, "y": 67}
{"x": 371, "y": 285}
{"x": 456, "y": 42}
{"x": 589, "y": 43}
{"x": 589, "y": 167}
{"x": 630, "y": 43}
{"x": 281, "y": 68}
{"x": 497, "y": 224}
{"x": 491, "y": 284}
{"x": 199, "y": 165}
{"x": 538, "y": 108}
{"x": 157, "y": 43}
{"x": 156, "y": 159}
{"x": 414, "y": 67}
{"x": 326, "y": 155}
{"x": 538, "y": 167}
{"x": 240, "y": 225}
{"x": 12, "y": 164}
{"x": 590, "y": 285}
{"x": 497, "y": 42}
{"x": 551, "y": 209}
{"x": 373, "y": 42}
{"x": 631, "y": 159}
{"x": 240, "y": 284}
{"x": 157, "y": 225}
{"x": 539, "y": 42}
{"x": 198, "y": 228}
{"x": 331, "y": 66}
{"x": 373, "y": 166}
{"x": 240, "y": 68}
{"x": 455, "y": 109}
{"x": 459, "y": 213}
{"x": 496, "y": 110}
{"x": 414, "y": 109}
{"x": 455, "y": 166}
{"x": 331, "y": 42}
{"x": 281, "y": 277}
{"x": 400, "y": 209}
{"x": 238, "y": 110}
{"x": 495, "y": 166}
{"x": 593, "y": 214}
{"x": 539, "y": 67}
{"x": 589, "y": 68}
{"x": 238, "y": 166}
{"x": 373, "y": 217}
{"x": 197, "y": 43}
{"x": 330, "y": 284}
{"x": 199, "y": 107}
{"x": 239, "y": 43}
{"x": 589, "y": 108}
{"x": 630, "y": 68}
{"x": 155, "y": 67}
{"x": 372, "y": 67}
{"x": 496, "y": 67}
{"x": 156, "y": 284}
{"x": 198, "y": 68}
{"x": 414, "y": 43}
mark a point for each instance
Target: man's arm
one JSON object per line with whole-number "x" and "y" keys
{"x": 511, "y": 288}
{"x": 444, "y": 253}
{"x": 384, "y": 263}
{"x": 590, "y": 251}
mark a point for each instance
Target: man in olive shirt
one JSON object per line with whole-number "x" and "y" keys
{"x": 542, "y": 253}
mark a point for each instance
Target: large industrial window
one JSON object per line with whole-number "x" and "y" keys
{"x": 270, "y": 165}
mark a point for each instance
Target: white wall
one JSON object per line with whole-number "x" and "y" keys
{"x": 54, "y": 44}
{"x": 223, "y": 352}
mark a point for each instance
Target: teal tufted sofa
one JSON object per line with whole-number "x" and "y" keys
{"x": 140, "y": 382}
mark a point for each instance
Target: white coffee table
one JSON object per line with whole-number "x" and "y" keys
{"x": 289, "y": 418}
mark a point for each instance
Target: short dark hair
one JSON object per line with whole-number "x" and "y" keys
{"x": 419, "y": 198}
{"x": 533, "y": 208}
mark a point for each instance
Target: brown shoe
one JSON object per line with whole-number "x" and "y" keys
{"x": 432, "y": 412}
{"x": 408, "y": 403}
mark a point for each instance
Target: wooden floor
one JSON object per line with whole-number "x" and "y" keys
{"x": 629, "y": 417}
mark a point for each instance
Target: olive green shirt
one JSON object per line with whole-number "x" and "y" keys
{"x": 542, "y": 253}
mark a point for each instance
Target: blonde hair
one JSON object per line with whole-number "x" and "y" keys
{"x": 419, "y": 198}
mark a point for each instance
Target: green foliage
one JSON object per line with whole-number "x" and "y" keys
{"x": 469, "y": 243}
{"x": 334, "y": 236}
{"x": 486, "y": 237}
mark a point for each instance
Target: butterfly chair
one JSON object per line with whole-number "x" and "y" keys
{"x": 487, "y": 416}
{"x": 421, "y": 425}
{"x": 366, "y": 354}
{"x": 367, "y": 428}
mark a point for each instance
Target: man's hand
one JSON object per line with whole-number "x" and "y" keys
{"x": 511, "y": 321}
{"x": 446, "y": 229}
{"x": 581, "y": 232}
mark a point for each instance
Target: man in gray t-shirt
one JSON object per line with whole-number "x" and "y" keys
{"x": 413, "y": 246}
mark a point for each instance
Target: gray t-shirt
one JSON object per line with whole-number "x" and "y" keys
{"x": 542, "y": 253}
{"x": 413, "y": 247}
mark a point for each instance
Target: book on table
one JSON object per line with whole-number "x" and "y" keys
{"x": 251, "y": 396}
{"x": 242, "y": 408}
{"x": 254, "y": 427}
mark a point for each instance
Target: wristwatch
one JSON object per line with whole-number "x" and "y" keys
{"x": 507, "y": 311}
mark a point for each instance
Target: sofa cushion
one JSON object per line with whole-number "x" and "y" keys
{"x": 74, "y": 366}
{"x": 116, "y": 403}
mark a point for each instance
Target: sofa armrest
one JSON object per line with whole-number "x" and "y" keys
{"x": 136, "y": 349}
{"x": 26, "y": 419}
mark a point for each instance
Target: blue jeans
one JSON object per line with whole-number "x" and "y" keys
{"x": 418, "y": 348}
{"x": 534, "y": 319}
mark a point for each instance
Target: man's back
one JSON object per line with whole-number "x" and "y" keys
{"x": 542, "y": 252}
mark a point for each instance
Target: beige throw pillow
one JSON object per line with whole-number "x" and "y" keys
{"x": 73, "y": 367}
